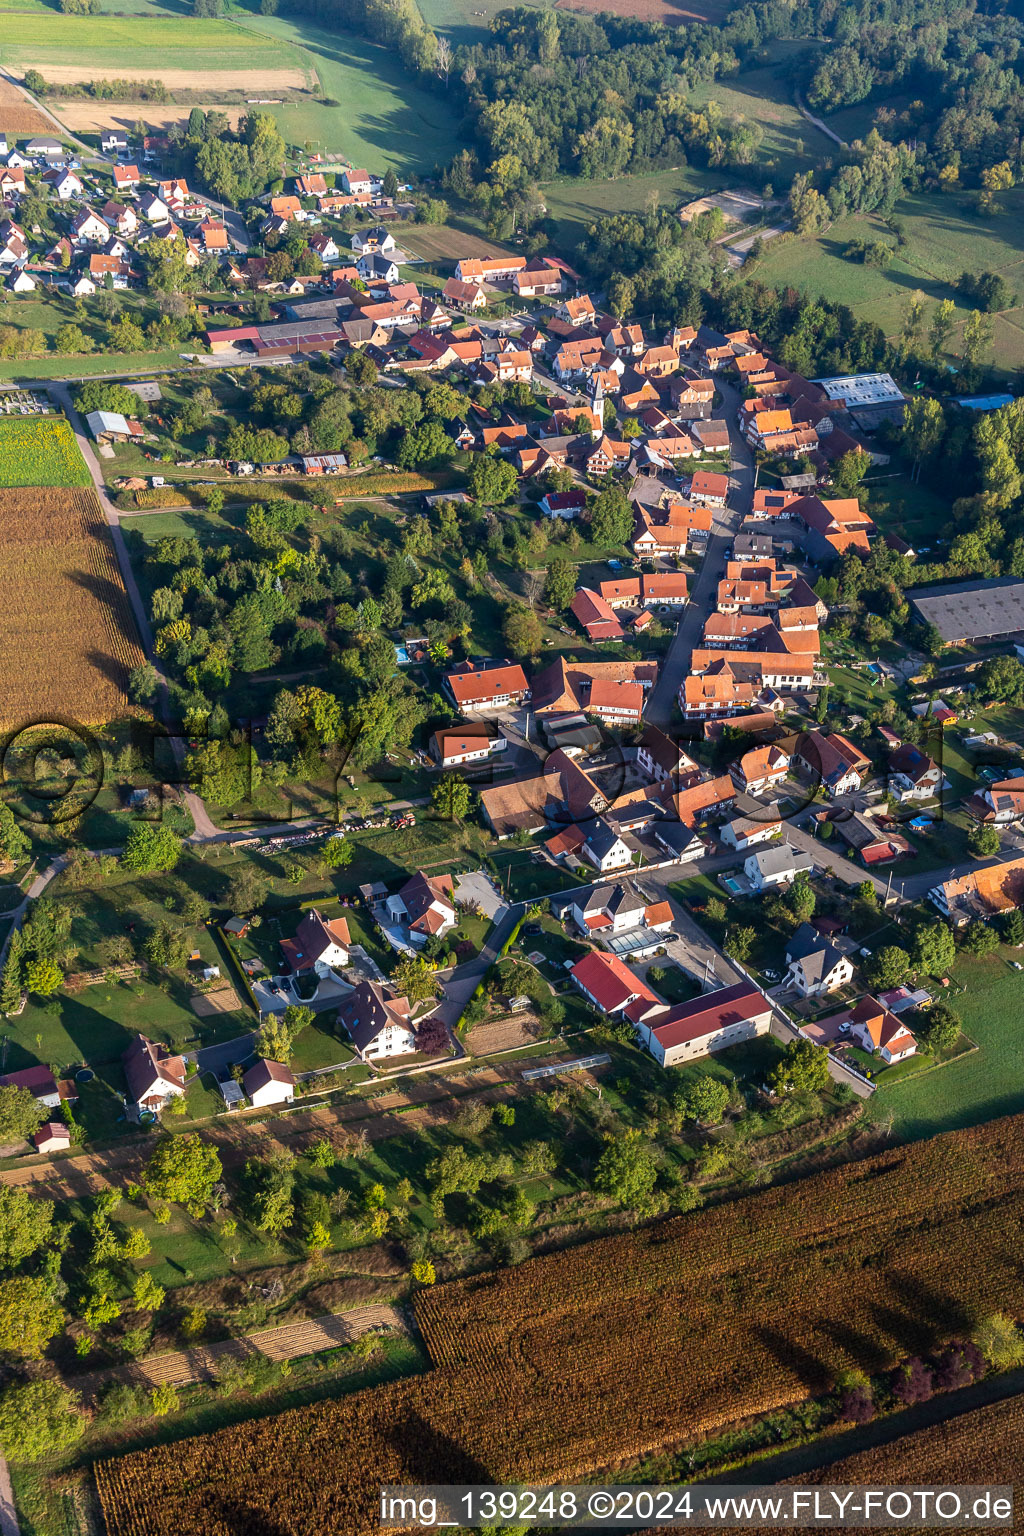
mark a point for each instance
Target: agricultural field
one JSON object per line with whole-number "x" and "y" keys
{"x": 18, "y": 115}
{"x": 66, "y": 630}
{"x": 442, "y": 243}
{"x": 977, "y": 1447}
{"x": 82, "y": 46}
{"x": 535, "y": 1378}
{"x": 943, "y": 239}
{"x": 40, "y": 451}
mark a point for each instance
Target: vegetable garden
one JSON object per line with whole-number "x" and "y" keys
{"x": 596, "y": 1354}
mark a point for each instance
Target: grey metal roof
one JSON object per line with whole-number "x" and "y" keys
{"x": 968, "y": 610}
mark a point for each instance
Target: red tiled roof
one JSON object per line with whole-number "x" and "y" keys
{"x": 706, "y": 1015}
{"x": 609, "y": 981}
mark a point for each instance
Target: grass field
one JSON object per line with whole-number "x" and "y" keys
{"x": 576, "y": 204}
{"x": 980, "y": 1086}
{"x": 40, "y": 450}
{"x": 943, "y": 240}
{"x": 764, "y": 96}
{"x": 383, "y": 119}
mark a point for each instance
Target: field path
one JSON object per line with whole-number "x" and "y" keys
{"x": 204, "y": 826}
{"x": 289, "y": 1342}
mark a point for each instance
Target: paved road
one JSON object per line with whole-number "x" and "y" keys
{"x": 676, "y": 665}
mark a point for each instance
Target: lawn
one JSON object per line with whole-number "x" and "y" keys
{"x": 943, "y": 239}
{"x": 975, "y": 1087}
{"x": 381, "y": 118}
{"x": 40, "y": 450}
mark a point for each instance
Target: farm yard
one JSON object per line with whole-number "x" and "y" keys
{"x": 536, "y": 1379}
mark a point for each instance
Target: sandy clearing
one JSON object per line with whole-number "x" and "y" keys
{"x": 86, "y": 116}
{"x": 257, "y": 82}
{"x": 225, "y": 1000}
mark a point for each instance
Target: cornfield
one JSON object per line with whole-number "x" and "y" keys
{"x": 985, "y": 1446}
{"x": 586, "y": 1358}
{"x": 40, "y": 450}
{"x": 67, "y": 636}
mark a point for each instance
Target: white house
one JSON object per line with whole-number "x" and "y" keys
{"x": 878, "y": 1030}
{"x": 65, "y": 183}
{"x": 761, "y": 769}
{"x": 154, "y": 209}
{"x": 356, "y": 183}
{"x": 376, "y": 239}
{"x": 913, "y": 775}
{"x": 779, "y": 865}
{"x": 82, "y": 286}
{"x": 378, "y": 1022}
{"x": 87, "y": 228}
{"x": 375, "y": 268}
{"x": 268, "y": 1082}
{"x": 605, "y": 911}
{"x": 20, "y": 281}
{"x": 39, "y": 1081}
{"x": 319, "y": 946}
{"x": 604, "y": 848}
{"x": 814, "y": 965}
{"x": 713, "y": 1022}
{"x": 54, "y": 1136}
{"x": 748, "y": 831}
{"x": 114, "y": 142}
{"x": 424, "y": 906}
{"x": 324, "y": 247}
{"x": 154, "y": 1076}
{"x": 469, "y": 743}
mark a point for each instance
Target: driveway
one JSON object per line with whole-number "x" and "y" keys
{"x": 478, "y": 889}
{"x": 219, "y": 1059}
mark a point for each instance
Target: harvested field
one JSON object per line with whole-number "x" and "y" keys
{"x": 254, "y": 82}
{"x": 67, "y": 637}
{"x": 95, "y": 116}
{"x": 600, "y": 1353}
{"x": 17, "y": 114}
{"x": 205, "y": 1005}
{"x": 440, "y": 243}
{"x": 672, "y": 13}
